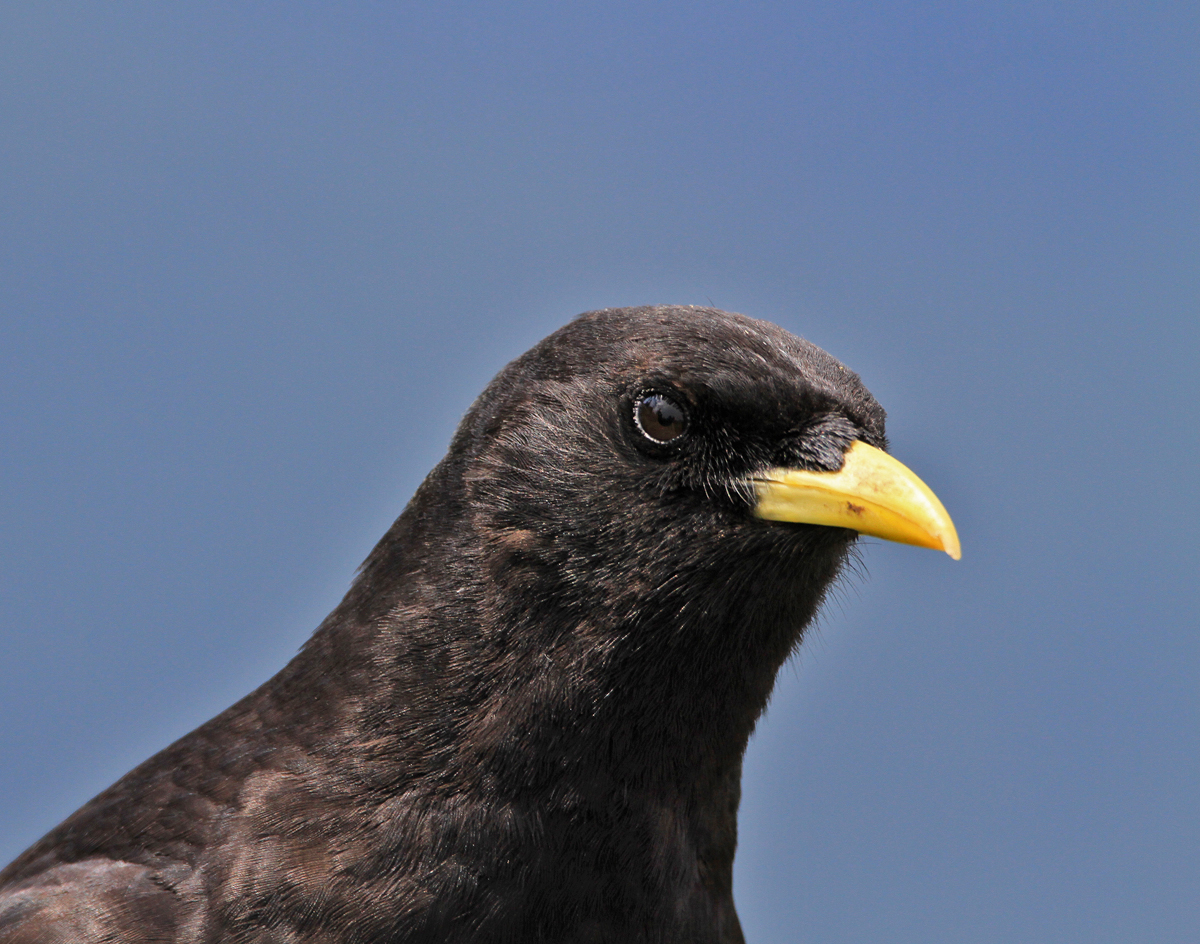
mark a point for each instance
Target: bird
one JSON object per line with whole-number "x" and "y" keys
{"x": 525, "y": 721}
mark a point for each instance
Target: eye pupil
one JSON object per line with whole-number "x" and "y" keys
{"x": 660, "y": 418}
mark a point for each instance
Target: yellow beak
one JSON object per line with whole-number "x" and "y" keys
{"x": 871, "y": 493}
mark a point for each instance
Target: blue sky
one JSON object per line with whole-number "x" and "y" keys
{"x": 257, "y": 259}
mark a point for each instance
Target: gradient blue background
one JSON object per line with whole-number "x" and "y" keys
{"x": 257, "y": 259}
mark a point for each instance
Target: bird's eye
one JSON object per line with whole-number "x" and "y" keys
{"x": 659, "y": 418}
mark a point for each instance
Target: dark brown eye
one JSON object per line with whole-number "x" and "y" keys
{"x": 660, "y": 418}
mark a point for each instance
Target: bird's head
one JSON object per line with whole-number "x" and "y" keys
{"x": 634, "y": 445}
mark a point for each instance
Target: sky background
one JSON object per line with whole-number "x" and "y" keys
{"x": 256, "y": 259}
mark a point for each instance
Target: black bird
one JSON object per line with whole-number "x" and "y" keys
{"x": 525, "y": 722}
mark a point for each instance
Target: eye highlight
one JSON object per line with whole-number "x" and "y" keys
{"x": 659, "y": 417}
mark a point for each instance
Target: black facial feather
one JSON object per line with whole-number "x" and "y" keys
{"x": 526, "y": 720}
